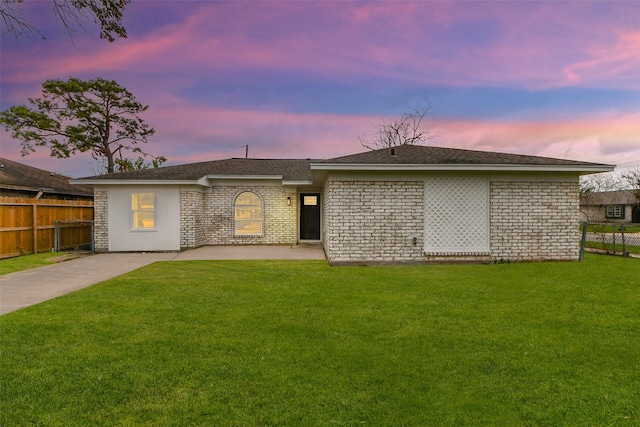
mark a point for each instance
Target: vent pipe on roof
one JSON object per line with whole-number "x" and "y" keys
{"x": 393, "y": 151}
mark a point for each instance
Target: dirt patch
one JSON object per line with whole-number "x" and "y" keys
{"x": 66, "y": 257}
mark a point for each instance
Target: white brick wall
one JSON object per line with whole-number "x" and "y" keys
{"x": 192, "y": 230}
{"x": 534, "y": 221}
{"x": 101, "y": 219}
{"x": 279, "y": 222}
{"x": 373, "y": 221}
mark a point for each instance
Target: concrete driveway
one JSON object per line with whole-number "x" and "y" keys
{"x": 30, "y": 287}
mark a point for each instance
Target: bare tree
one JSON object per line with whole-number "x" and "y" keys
{"x": 408, "y": 129}
{"x": 600, "y": 183}
{"x": 71, "y": 13}
{"x": 632, "y": 176}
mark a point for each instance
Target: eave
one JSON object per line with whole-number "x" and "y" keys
{"x": 587, "y": 168}
{"x": 132, "y": 182}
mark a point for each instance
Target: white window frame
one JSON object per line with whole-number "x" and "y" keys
{"x": 152, "y": 210}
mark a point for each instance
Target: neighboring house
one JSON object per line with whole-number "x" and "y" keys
{"x": 32, "y": 202}
{"x": 20, "y": 180}
{"x": 619, "y": 207}
{"x": 406, "y": 204}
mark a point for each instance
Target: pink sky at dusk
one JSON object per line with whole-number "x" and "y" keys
{"x": 306, "y": 79}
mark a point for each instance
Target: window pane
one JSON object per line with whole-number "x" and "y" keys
{"x": 248, "y": 227}
{"x": 248, "y": 212}
{"x": 310, "y": 200}
{"x": 142, "y": 201}
{"x": 248, "y": 199}
{"x": 143, "y": 219}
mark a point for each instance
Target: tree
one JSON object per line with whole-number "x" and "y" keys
{"x": 408, "y": 129}
{"x": 98, "y": 116}
{"x": 632, "y": 176}
{"x": 71, "y": 13}
{"x": 600, "y": 183}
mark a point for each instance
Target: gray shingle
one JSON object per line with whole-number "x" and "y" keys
{"x": 290, "y": 169}
{"x": 419, "y": 154}
{"x": 20, "y": 177}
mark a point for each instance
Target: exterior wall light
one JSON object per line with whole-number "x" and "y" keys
{"x": 288, "y": 201}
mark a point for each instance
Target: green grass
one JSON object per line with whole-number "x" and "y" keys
{"x": 26, "y": 262}
{"x": 611, "y": 228}
{"x": 238, "y": 343}
{"x": 608, "y": 247}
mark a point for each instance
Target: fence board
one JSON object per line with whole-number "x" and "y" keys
{"x": 28, "y": 225}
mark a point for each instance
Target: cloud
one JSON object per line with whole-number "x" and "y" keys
{"x": 538, "y": 45}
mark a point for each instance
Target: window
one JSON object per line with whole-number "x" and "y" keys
{"x": 143, "y": 206}
{"x": 310, "y": 200}
{"x": 615, "y": 211}
{"x": 248, "y": 214}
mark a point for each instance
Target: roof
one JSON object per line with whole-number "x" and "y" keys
{"x": 408, "y": 157}
{"x": 428, "y": 155}
{"x": 286, "y": 169}
{"x": 21, "y": 177}
{"x": 618, "y": 197}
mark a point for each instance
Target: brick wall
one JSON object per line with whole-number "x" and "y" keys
{"x": 375, "y": 221}
{"x": 192, "y": 230}
{"x": 101, "y": 220}
{"x": 533, "y": 221}
{"x": 279, "y": 220}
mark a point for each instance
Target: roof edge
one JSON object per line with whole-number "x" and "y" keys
{"x": 586, "y": 168}
{"x": 91, "y": 181}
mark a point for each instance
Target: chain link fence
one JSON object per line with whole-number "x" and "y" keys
{"x": 76, "y": 235}
{"x": 613, "y": 239}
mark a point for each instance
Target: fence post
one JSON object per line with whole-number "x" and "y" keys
{"x": 584, "y": 240}
{"x": 56, "y": 237}
{"x": 624, "y": 243}
{"x": 614, "y": 242}
{"x": 34, "y": 221}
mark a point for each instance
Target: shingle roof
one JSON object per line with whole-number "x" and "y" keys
{"x": 289, "y": 169}
{"x": 18, "y": 176}
{"x": 420, "y": 154}
{"x": 299, "y": 169}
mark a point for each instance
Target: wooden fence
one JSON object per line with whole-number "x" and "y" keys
{"x": 28, "y": 225}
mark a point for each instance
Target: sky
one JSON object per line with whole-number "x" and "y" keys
{"x": 307, "y": 79}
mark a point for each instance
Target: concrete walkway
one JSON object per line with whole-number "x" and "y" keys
{"x": 30, "y": 287}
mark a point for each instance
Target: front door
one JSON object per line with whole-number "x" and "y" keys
{"x": 309, "y": 216}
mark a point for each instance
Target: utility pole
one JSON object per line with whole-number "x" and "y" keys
{"x": 246, "y": 151}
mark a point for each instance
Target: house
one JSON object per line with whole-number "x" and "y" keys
{"x": 616, "y": 207}
{"x": 20, "y": 180}
{"x": 41, "y": 211}
{"x": 405, "y": 204}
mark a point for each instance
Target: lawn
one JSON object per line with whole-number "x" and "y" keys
{"x": 26, "y": 262}
{"x": 238, "y": 343}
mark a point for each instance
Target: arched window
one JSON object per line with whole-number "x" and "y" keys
{"x": 248, "y": 214}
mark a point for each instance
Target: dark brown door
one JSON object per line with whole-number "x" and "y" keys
{"x": 309, "y": 216}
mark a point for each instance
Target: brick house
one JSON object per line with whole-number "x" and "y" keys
{"x": 616, "y": 207}
{"x": 403, "y": 205}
